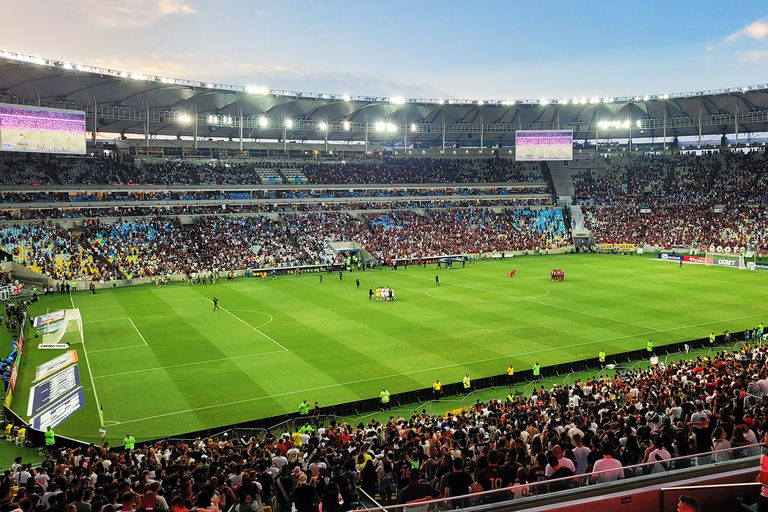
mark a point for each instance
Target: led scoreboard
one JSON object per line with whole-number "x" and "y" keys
{"x": 41, "y": 130}
{"x": 544, "y": 145}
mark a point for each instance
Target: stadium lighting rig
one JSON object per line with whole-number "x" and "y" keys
{"x": 392, "y": 100}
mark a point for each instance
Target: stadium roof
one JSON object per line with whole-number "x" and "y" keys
{"x": 121, "y": 102}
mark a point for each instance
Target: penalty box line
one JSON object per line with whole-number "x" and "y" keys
{"x": 119, "y": 348}
{"x": 413, "y": 372}
{"x": 250, "y": 326}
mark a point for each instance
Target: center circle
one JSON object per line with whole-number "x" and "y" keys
{"x": 508, "y": 291}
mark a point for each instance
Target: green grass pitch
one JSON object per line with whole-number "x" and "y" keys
{"x": 162, "y": 362}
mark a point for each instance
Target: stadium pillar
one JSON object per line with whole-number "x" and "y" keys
{"x": 405, "y": 134}
{"x": 326, "y": 133}
{"x": 194, "y": 128}
{"x": 736, "y": 122}
{"x": 241, "y": 129}
{"x": 664, "y": 131}
{"x": 699, "y": 124}
{"x": 95, "y": 120}
{"x": 597, "y": 137}
{"x": 443, "y": 134}
{"x": 482, "y": 129}
{"x": 366, "y": 133}
{"x": 630, "y": 130}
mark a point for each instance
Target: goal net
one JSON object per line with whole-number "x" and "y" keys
{"x": 726, "y": 260}
{"x": 72, "y": 322}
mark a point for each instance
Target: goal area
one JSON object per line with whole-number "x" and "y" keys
{"x": 726, "y": 260}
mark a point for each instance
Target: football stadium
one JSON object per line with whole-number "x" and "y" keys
{"x": 239, "y": 298}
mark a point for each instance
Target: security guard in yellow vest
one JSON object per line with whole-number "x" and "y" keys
{"x": 437, "y": 390}
{"x": 601, "y": 356}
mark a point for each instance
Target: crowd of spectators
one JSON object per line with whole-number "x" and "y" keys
{"x": 158, "y": 245}
{"x": 716, "y": 199}
{"x": 620, "y": 426}
{"x": 73, "y": 171}
{"x": 14, "y": 118}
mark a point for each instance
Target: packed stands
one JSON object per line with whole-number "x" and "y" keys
{"x": 630, "y": 425}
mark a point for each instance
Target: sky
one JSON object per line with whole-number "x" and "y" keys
{"x": 414, "y": 49}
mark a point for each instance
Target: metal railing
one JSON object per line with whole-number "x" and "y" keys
{"x": 604, "y": 479}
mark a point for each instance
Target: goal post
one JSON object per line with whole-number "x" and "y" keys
{"x": 726, "y": 260}
{"x": 72, "y": 322}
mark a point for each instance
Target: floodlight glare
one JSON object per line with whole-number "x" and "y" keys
{"x": 289, "y": 123}
{"x": 138, "y": 76}
{"x": 380, "y": 126}
{"x": 441, "y": 102}
{"x": 397, "y": 100}
{"x": 637, "y": 98}
{"x": 544, "y": 102}
{"x": 346, "y": 125}
{"x": 323, "y": 126}
{"x": 263, "y": 122}
{"x": 646, "y": 97}
{"x": 413, "y": 127}
{"x": 67, "y": 65}
{"x": 346, "y": 97}
{"x": 594, "y": 100}
{"x": 665, "y": 97}
{"x": 40, "y": 61}
{"x": 480, "y": 102}
{"x": 639, "y": 123}
{"x": 391, "y": 127}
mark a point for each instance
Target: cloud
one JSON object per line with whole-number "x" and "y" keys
{"x": 757, "y": 30}
{"x": 133, "y": 13}
{"x": 755, "y": 57}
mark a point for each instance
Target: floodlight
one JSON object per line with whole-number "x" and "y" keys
{"x": 637, "y": 98}
{"x": 346, "y": 125}
{"x": 138, "y": 76}
{"x": 209, "y": 85}
{"x": 263, "y": 122}
{"x": 665, "y": 96}
{"x": 441, "y": 102}
{"x": 391, "y": 127}
{"x": 397, "y": 100}
{"x": 563, "y": 101}
{"x": 80, "y": 67}
{"x": 67, "y": 65}
{"x": 608, "y": 100}
{"x": 323, "y": 126}
{"x": 289, "y": 123}
{"x": 639, "y": 123}
{"x": 544, "y": 102}
{"x": 594, "y": 100}
{"x": 40, "y": 61}
{"x": 184, "y": 118}
{"x": 646, "y": 97}
{"x": 582, "y": 101}
{"x": 346, "y": 97}
{"x": 380, "y": 126}
{"x": 480, "y": 102}
{"x": 414, "y": 127}
{"x": 123, "y": 74}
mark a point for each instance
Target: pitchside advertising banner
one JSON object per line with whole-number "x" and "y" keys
{"x": 48, "y": 391}
{"x": 55, "y": 364}
{"x": 57, "y": 394}
{"x": 60, "y": 411}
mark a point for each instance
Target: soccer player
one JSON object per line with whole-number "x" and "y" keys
{"x": 370, "y": 293}
{"x": 437, "y": 280}
{"x": 512, "y": 273}
{"x": 215, "y": 303}
{"x": 357, "y": 282}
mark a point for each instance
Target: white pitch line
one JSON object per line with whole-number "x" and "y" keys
{"x": 249, "y": 325}
{"x": 106, "y": 320}
{"x": 137, "y": 331}
{"x": 233, "y": 358}
{"x": 360, "y": 381}
{"x": 87, "y": 362}
{"x": 145, "y": 303}
{"x": 118, "y": 348}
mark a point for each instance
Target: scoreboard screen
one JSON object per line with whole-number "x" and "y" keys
{"x": 544, "y": 145}
{"x": 41, "y": 130}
